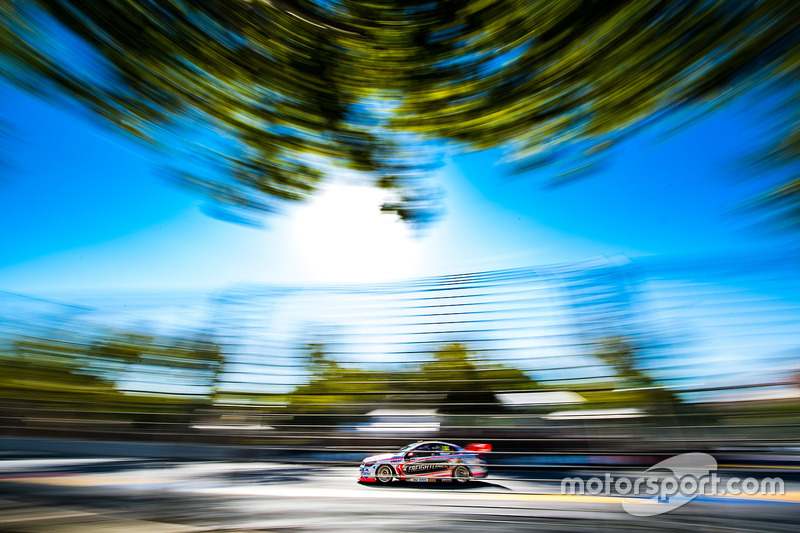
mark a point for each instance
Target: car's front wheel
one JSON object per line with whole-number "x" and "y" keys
{"x": 461, "y": 474}
{"x": 384, "y": 474}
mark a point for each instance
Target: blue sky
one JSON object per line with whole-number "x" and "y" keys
{"x": 84, "y": 210}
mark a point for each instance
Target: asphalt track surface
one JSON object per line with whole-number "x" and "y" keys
{"x": 131, "y": 495}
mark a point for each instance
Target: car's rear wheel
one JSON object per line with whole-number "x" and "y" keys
{"x": 461, "y": 474}
{"x": 384, "y": 474}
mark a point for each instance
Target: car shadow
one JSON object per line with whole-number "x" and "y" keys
{"x": 438, "y": 485}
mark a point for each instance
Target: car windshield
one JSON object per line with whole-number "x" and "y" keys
{"x": 445, "y": 447}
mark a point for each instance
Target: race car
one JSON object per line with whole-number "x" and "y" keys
{"x": 427, "y": 461}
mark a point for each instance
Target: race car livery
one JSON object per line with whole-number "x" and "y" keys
{"x": 427, "y": 461}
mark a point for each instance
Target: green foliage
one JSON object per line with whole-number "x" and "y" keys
{"x": 454, "y": 376}
{"x": 190, "y": 357}
{"x": 286, "y": 85}
{"x": 48, "y": 369}
{"x": 72, "y": 368}
{"x": 454, "y": 366}
{"x": 620, "y": 354}
{"x": 636, "y": 387}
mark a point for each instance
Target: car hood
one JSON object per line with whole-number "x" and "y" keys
{"x": 380, "y": 457}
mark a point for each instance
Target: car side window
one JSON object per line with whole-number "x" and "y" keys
{"x": 422, "y": 451}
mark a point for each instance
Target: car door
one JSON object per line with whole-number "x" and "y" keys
{"x": 440, "y": 460}
{"x": 449, "y": 457}
{"x": 426, "y": 462}
{"x": 416, "y": 461}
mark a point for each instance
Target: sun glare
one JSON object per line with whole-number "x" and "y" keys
{"x": 342, "y": 236}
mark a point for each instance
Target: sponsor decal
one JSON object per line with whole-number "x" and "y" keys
{"x": 420, "y": 468}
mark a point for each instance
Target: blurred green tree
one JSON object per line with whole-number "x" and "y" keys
{"x": 453, "y": 375}
{"x": 82, "y": 384}
{"x": 335, "y": 389}
{"x": 161, "y": 361}
{"x": 633, "y": 387}
{"x": 455, "y": 371}
{"x": 284, "y": 85}
{"x": 91, "y": 372}
{"x": 45, "y": 369}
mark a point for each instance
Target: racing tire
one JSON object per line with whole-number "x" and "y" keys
{"x": 461, "y": 474}
{"x": 384, "y": 474}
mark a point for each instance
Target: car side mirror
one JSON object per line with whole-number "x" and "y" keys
{"x": 409, "y": 455}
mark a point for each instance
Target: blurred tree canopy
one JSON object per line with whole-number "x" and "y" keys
{"x": 267, "y": 93}
{"x": 622, "y": 355}
{"x": 50, "y": 369}
{"x": 79, "y": 369}
{"x": 453, "y": 376}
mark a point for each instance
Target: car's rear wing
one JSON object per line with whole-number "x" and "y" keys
{"x": 478, "y": 447}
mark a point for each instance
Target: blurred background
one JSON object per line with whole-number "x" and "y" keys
{"x": 246, "y": 244}
{"x": 605, "y": 358}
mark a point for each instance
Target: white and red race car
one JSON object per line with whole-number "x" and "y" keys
{"x": 427, "y": 461}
